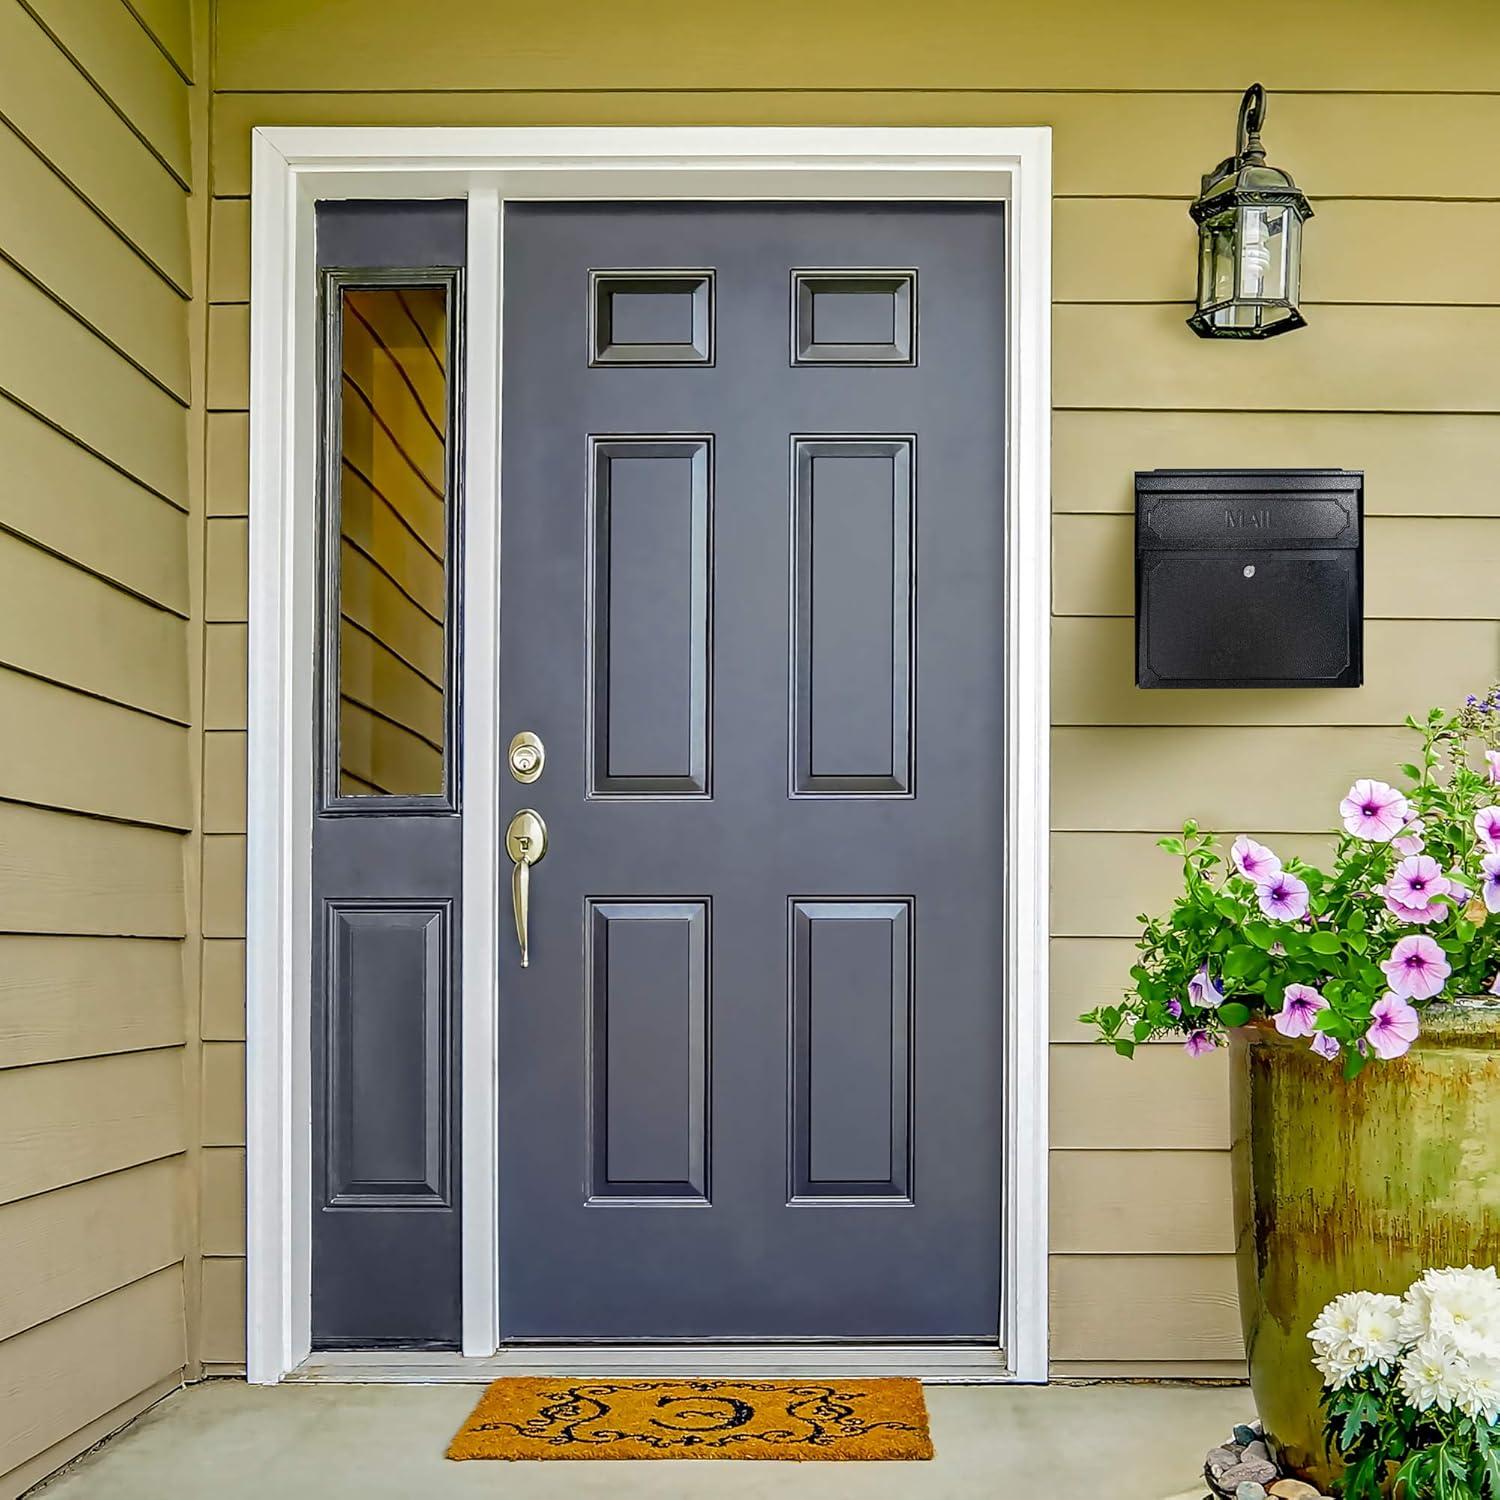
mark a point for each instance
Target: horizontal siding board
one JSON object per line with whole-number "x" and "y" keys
{"x": 1128, "y": 1307}
{"x": 225, "y": 676}
{"x": 285, "y": 44}
{"x": 223, "y": 990}
{"x": 1265, "y": 781}
{"x": 1415, "y": 569}
{"x": 1415, "y": 464}
{"x": 1428, "y": 143}
{"x": 221, "y": 1333}
{"x": 223, "y": 1092}
{"x": 49, "y": 102}
{"x": 1086, "y": 973}
{"x": 223, "y": 1215}
{"x": 53, "y": 755}
{"x": 66, "y": 997}
{"x": 1141, "y": 1203}
{"x": 1409, "y": 664}
{"x": 57, "y": 239}
{"x": 1355, "y": 251}
{"x": 62, "y": 874}
{"x": 63, "y": 498}
{"x": 226, "y": 571}
{"x": 1418, "y": 359}
{"x": 64, "y": 1248}
{"x": 170, "y": 25}
{"x": 1217, "y": 1371}
{"x": 122, "y": 61}
{"x": 68, "y": 627}
{"x": 228, "y": 484}
{"x": 53, "y": 364}
{"x": 224, "y": 886}
{"x": 1102, "y": 881}
{"x": 68, "y": 1121}
{"x": 59, "y": 1376}
{"x": 1159, "y": 1100}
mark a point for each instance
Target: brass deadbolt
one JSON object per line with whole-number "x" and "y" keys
{"x": 527, "y": 756}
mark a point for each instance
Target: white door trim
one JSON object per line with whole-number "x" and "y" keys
{"x": 293, "y": 167}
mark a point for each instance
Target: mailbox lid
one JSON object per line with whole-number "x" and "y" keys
{"x": 1248, "y": 509}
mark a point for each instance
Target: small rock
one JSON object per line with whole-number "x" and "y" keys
{"x": 1244, "y": 1435}
{"x": 1254, "y": 1471}
{"x": 1220, "y": 1459}
{"x": 1250, "y": 1491}
{"x": 1256, "y": 1449}
{"x": 1294, "y": 1489}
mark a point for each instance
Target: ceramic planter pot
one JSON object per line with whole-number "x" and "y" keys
{"x": 1355, "y": 1186}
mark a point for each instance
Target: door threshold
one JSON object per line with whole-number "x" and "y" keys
{"x": 936, "y": 1364}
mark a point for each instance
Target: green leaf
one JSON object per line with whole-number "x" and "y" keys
{"x": 1262, "y": 934}
{"x": 1244, "y": 962}
{"x": 1125, "y": 1048}
{"x": 1172, "y": 846}
{"x": 1233, "y": 1013}
{"x": 1411, "y": 771}
{"x": 1325, "y": 942}
{"x": 1354, "y": 1062}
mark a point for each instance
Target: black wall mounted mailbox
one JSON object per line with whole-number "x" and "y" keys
{"x": 1249, "y": 578}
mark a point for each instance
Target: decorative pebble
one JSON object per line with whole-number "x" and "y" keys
{"x": 1220, "y": 1459}
{"x": 1257, "y": 1449}
{"x": 1249, "y": 1490}
{"x": 1252, "y": 1471}
{"x": 1245, "y": 1435}
{"x": 1294, "y": 1489}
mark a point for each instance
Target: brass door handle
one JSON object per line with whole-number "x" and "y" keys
{"x": 526, "y": 843}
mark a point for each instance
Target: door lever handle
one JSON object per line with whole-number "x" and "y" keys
{"x": 526, "y": 843}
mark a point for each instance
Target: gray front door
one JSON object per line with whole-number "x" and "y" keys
{"x": 753, "y": 510}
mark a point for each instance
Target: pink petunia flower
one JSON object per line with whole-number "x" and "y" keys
{"x": 1417, "y": 968}
{"x": 1458, "y": 892}
{"x": 1174, "y": 1009}
{"x": 1492, "y": 759}
{"x": 1204, "y": 991}
{"x": 1410, "y": 839}
{"x": 1283, "y": 898}
{"x": 1198, "y": 1043}
{"x": 1490, "y": 864}
{"x": 1254, "y": 860}
{"x": 1495, "y": 985}
{"x": 1299, "y": 1010}
{"x": 1412, "y": 891}
{"x": 1325, "y": 1045}
{"x": 1374, "y": 811}
{"x": 1394, "y": 1025}
{"x": 1487, "y": 826}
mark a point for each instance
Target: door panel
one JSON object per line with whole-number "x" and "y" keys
{"x": 387, "y": 825}
{"x": 752, "y": 572}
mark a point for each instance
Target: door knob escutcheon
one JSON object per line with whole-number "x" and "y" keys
{"x": 526, "y": 843}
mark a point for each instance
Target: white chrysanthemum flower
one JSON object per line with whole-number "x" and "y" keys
{"x": 1433, "y": 1374}
{"x": 1356, "y": 1332}
{"x": 1479, "y": 1393}
{"x": 1449, "y": 1300}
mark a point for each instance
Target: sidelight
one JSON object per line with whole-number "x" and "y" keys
{"x": 388, "y": 530}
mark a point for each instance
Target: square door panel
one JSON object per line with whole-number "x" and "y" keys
{"x": 651, "y": 317}
{"x": 854, "y": 317}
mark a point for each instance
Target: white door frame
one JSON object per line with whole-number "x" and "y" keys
{"x": 293, "y": 168}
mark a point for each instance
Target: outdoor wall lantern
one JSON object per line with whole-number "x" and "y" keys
{"x": 1249, "y": 217}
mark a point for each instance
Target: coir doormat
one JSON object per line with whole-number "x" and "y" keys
{"x": 785, "y": 1419}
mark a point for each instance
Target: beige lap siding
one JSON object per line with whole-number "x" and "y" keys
{"x": 97, "y": 799}
{"x": 1396, "y": 375}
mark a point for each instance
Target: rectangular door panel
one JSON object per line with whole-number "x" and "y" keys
{"x": 852, "y": 683}
{"x": 651, "y": 583}
{"x": 851, "y": 1025}
{"x": 649, "y": 1051}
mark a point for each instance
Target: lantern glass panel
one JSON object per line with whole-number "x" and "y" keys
{"x": 1216, "y": 268}
{"x": 1262, "y": 254}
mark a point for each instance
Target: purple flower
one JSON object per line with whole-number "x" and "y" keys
{"x": 1487, "y": 826}
{"x": 1495, "y": 985}
{"x": 1198, "y": 1043}
{"x": 1492, "y": 759}
{"x": 1299, "y": 1010}
{"x": 1458, "y": 892}
{"x": 1394, "y": 1025}
{"x": 1253, "y": 860}
{"x": 1325, "y": 1045}
{"x": 1374, "y": 811}
{"x": 1412, "y": 891}
{"x": 1410, "y": 841}
{"x": 1284, "y": 898}
{"x": 1417, "y": 968}
{"x": 1204, "y": 992}
{"x": 1490, "y": 864}
{"x": 1174, "y": 1009}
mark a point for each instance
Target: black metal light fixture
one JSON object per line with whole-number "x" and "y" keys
{"x": 1249, "y": 218}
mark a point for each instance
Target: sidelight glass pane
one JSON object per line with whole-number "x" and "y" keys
{"x": 393, "y": 530}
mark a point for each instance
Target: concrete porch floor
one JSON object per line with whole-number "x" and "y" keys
{"x": 230, "y": 1441}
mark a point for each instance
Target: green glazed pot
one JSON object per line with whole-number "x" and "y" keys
{"x": 1355, "y": 1186}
